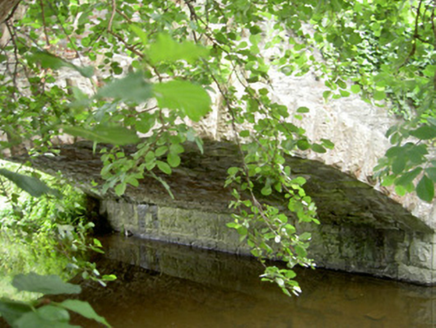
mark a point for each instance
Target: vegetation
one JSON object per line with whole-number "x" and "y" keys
{"x": 181, "y": 54}
{"x": 46, "y": 235}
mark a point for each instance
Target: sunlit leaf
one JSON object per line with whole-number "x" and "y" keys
{"x": 166, "y": 49}
{"x": 379, "y": 95}
{"x": 140, "y": 32}
{"x": 183, "y": 95}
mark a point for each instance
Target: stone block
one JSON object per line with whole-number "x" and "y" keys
{"x": 421, "y": 254}
{"x": 167, "y": 218}
{"x": 429, "y": 238}
{"x": 415, "y": 274}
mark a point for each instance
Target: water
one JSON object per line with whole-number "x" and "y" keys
{"x": 162, "y": 285}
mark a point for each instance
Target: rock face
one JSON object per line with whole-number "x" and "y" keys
{"x": 362, "y": 230}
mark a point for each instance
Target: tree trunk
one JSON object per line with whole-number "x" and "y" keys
{"x": 6, "y": 7}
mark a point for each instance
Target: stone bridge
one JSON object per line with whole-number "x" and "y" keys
{"x": 363, "y": 228}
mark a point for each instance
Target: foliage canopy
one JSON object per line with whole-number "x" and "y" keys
{"x": 181, "y": 54}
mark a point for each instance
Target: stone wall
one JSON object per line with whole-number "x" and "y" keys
{"x": 392, "y": 253}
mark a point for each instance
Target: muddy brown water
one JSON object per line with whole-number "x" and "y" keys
{"x": 167, "y": 285}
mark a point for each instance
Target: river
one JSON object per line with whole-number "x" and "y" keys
{"x": 167, "y": 285}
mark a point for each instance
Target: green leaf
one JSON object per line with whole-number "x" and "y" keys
{"x": 31, "y": 185}
{"x": 166, "y": 49}
{"x": 318, "y": 148}
{"x": 431, "y": 173}
{"x": 183, "y": 95}
{"x": 48, "y": 60}
{"x": 408, "y": 177}
{"x": 301, "y": 252}
{"x": 425, "y": 189}
{"x": 164, "y": 167}
{"x": 47, "y": 285}
{"x": 327, "y": 144}
{"x": 133, "y": 87}
{"x": 139, "y": 32}
{"x": 400, "y": 190}
{"x": 424, "y": 132}
{"x": 173, "y": 160}
{"x": 303, "y": 110}
{"x": 176, "y": 149}
{"x": 341, "y": 84}
{"x": 34, "y": 320}
{"x": 120, "y": 188}
{"x": 232, "y": 170}
{"x": 109, "y": 277}
{"x": 326, "y": 95}
{"x": 303, "y": 144}
{"x": 244, "y": 133}
{"x": 394, "y": 152}
{"x": 145, "y": 122}
{"x": 161, "y": 151}
{"x": 398, "y": 165}
{"x": 388, "y": 181}
{"x": 429, "y": 71}
{"x": 305, "y": 236}
{"x": 266, "y": 190}
{"x": 84, "y": 309}
{"x": 344, "y": 93}
{"x": 379, "y": 95}
{"x": 115, "y": 135}
{"x": 355, "y": 88}
{"x": 53, "y": 313}
{"x": 12, "y": 310}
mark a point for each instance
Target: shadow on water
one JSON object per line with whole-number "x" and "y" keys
{"x": 167, "y": 285}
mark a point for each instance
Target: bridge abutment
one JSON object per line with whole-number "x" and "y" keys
{"x": 390, "y": 253}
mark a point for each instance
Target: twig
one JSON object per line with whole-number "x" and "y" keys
{"x": 111, "y": 19}
{"x": 47, "y": 38}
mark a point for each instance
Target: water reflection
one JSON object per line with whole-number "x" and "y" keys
{"x": 163, "y": 285}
